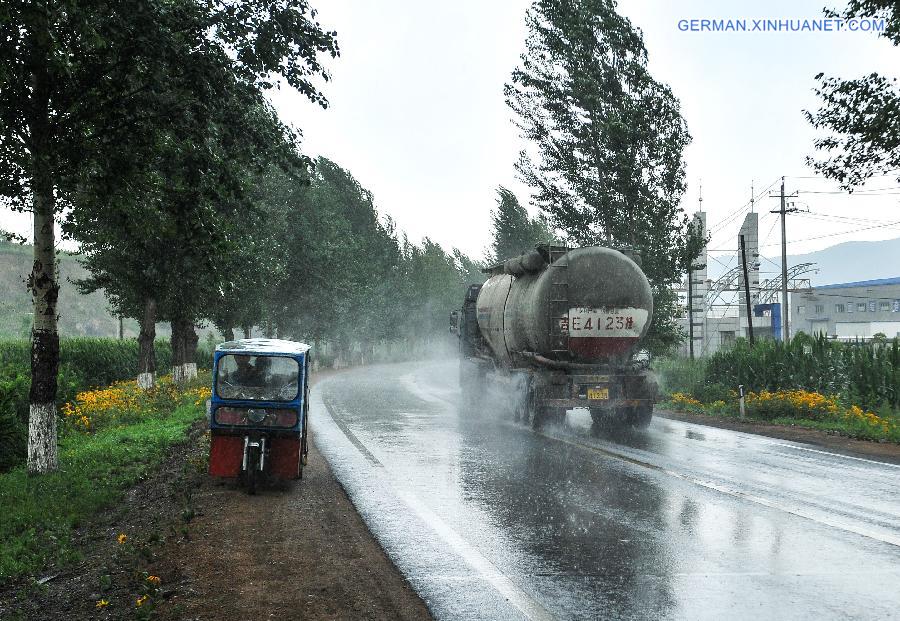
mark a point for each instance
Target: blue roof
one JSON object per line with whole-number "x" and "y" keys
{"x": 862, "y": 283}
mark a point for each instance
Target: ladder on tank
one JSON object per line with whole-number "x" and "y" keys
{"x": 559, "y": 302}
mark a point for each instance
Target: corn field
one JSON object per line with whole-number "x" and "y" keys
{"x": 865, "y": 374}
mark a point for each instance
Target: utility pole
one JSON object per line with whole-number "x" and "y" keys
{"x": 691, "y": 307}
{"x": 690, "y": 277}
{"x": 785, "y": 309}
{"x": 747, "y": 291}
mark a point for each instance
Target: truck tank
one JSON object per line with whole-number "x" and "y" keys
{"x": 589, "y": 305}
{"x": 555, "y": 329}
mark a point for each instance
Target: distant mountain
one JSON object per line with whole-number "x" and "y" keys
{"x": 845, "y": 262}
{"x": 851, "y": 261}
{"x": 79, "y": 315}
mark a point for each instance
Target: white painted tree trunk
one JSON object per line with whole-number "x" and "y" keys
{"x": 184, "y": 372}
{"x": 146, "y": 377}
{"x": 190, "y": 371}
{"x": 145, "y": 381}
{"x": 42, "y": 452}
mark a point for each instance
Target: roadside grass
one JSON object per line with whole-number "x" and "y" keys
{"x": 97, "y": 464}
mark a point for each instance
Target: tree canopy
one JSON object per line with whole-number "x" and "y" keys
{"x": 605, "y": 163}
{"x": 138, "y": 91}
{"x": 860, "y": 116}
{"x": 514, "y": 230}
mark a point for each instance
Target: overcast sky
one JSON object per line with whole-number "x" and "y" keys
{"x": 417, "y": 113}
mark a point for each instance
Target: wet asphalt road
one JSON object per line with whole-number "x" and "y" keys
{"x": 489, "y": 520}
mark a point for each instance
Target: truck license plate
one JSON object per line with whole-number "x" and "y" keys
{"x": 598, "y": 393}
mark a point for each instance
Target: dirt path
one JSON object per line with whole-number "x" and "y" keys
{"x": 300, "y": 552}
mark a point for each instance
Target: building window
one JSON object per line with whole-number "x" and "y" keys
{"x": 820, "y": 308}
{"x": 838, "y": 308}
{"x": 896, "y": 307}
{"x": 884, "y": 307}
{"x": 860, "y": 307}
{"x": 871, "y": 306}
{"x": 801, "y": 310}
{"x": 850, "y": 306}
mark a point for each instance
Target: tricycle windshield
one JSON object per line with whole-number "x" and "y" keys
{"x": 257, "y": 378}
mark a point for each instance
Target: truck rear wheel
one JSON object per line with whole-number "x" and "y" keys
{"x": 526, "y": 407}
{"x": 640, "y": 416}
{"x": 547, "y": 416}
{"x": 610, "y": 420}
{"x": 471, "y": 384}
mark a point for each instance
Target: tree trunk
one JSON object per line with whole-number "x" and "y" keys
{"x": 189, "y": 338}
{"x": 247, "y": 331}
{"x": 146, "y": 353}
{"x": 184, "y": 349}
{"x": 42, "y": 448}
{"x": 178, "y": 357}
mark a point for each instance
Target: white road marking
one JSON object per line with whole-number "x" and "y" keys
{"x": 488, "y": 572}
{"x": 798, "y": 511}
{"x": 868, "y": 461}
{"x": 481, "y": 565}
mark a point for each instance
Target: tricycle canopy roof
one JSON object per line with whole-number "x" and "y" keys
{"x": 263, "y": 346}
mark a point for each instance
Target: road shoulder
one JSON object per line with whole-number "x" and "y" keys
{"x": 878, "y": 451}
{"x": 298, "y": 551}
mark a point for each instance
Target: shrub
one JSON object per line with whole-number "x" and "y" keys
{"x": 679, "y": 374}
{"x": 709, "y": 393}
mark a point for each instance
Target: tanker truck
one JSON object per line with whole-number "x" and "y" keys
{"x": 556, "y": 329}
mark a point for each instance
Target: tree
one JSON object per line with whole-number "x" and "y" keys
{"x": 606, "y": 164}
{"x": 514, "y": 231}
{"x": 78, "y": 78}
{"x": 58, "y": 65}
{"x": 339, "y": 256}
{"x": 863, "y": 115}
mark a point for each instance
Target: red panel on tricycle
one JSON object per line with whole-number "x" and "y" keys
{"x": 284, "y": 457}
{"x": 225, "y": 455}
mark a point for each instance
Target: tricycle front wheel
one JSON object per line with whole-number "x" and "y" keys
{"x": 252, "y": 468}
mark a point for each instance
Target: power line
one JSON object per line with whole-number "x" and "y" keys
{"x": 886, "y": 225}
{"x": 837, "y": 217}
{"x": 731, "y": 216}
{"x": 866, "y": 228}
{"x": 858, "y": 193}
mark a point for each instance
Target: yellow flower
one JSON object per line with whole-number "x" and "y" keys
{"x": 154, "y": 580}
{"x": 122, "y": 538}
{"x": 678, "y": 397}
{"x": 141, "y": 600}
{"x": 102, "y": 603}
